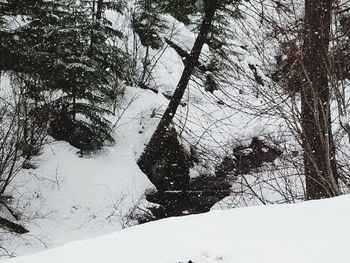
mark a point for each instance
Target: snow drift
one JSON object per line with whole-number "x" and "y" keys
{"x": 315, "y": 231}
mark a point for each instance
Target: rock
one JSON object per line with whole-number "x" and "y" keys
{"x": 201, "y": 195}
{"x": 247, "y": 158}
{"x": 172, "y": 169}
{"x": 75, "y": 133}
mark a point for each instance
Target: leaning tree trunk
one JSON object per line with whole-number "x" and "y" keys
{"x": 156, "y": 146}
{"x": 319, "y": 151}
{"x": 12, "y": 227}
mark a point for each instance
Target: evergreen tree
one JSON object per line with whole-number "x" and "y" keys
{"x": 89, "y": 67}
{"x": 18, "y": 58}
{"x": 148, "y": 23}
{"x": 103, "y": 48}
{"x": 55, "y": 45}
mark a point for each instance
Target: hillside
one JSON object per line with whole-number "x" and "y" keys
{"x": 165, "y": 109}
{"x": 68, "y": 198}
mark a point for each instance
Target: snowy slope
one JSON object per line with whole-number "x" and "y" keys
{"x": 315, "y": 231}
{"x": 69, "y": 198}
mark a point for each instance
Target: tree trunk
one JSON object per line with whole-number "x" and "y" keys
{"x": 11, "y": 226}
{"x": 156, "y": 146}
{"x": 97, "y": 11}
{"x": 319, "y": 151}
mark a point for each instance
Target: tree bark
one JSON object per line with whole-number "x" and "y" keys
{"x": 156, "y": 146}
{"x": 97, "y": 11}
{"x": 11, "y": 226}
{"x": 319, "y": 151}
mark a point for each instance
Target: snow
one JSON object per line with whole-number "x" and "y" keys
{"x": 69, "y": 198}
{"x": 314, "y": 231}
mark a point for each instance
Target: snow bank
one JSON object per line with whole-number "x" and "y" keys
{"x": 316, "y": 231}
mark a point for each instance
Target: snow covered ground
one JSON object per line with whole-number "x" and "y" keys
{"x": 316, "y": 231}
{"x": 70, "y": 198}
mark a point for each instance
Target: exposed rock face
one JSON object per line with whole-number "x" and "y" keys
{"x": 178, "y": 195}
{"x": 247, "y": 158}
{"x": 172, "y": 170}
{"x": 201, "y": 195}
{"x": 175, "y": 192}
{"x": 75, "y": 133}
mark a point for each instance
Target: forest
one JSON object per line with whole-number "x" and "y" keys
{"x": 123, "y": 113}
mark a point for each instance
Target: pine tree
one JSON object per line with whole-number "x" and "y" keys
{"x": 103, "y": 48}
{"x": 55, "y": 46}
{"x": 18, "y": 58}
{"x": 181, "y": 9}
{"x": 87, "y": 67}
{"x": 148, "y": 23}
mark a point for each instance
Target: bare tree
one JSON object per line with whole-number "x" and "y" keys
{"x": 319, "y": 151}
{"x": 22, "y": 134}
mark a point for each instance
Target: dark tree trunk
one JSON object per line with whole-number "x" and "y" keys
{"x": 319, "y": 151}
{"x": 156, "y": 146}
{"x": 97, "y": 11}
{"x": 11, "y": 226}
{"x": 143, "y": 79}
